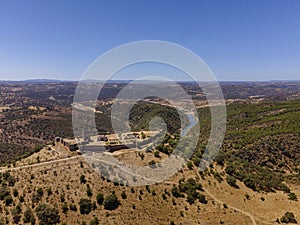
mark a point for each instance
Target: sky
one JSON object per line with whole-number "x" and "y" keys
{"x": 239, "y": 40}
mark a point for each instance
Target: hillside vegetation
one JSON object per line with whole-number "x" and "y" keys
{"x": 262, "y": 143}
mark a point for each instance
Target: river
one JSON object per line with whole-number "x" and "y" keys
{"x": 193, "y": 122}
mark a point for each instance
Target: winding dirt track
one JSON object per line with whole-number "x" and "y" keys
{"x": 229, "y": 206}
{"x": 77, "y": 157}
{"x": 38, "y": 164}
{"x": 232, "y": 207}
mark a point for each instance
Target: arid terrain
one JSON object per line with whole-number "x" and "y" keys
{"x": 255, "y": 179}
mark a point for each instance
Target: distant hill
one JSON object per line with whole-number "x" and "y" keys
{"x": 32, "y": 81}
{"x": 43, "y": 81}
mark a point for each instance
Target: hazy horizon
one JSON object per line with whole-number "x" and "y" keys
{"x": 63, "y": 80}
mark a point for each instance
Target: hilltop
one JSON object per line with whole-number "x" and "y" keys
{"x": 254, "y": 180}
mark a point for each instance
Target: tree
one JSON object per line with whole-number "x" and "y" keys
{"x": 47, "y": 215}
{"x": 8, "y": 200}
{"x": 123, "y": 195}
{"x": 220, "y": 158}
{"x": 65, "y": 208}
{"x": 89, "y": 192}
{"x": 29, "y": 217}
{"x": 49, "y": 191}
{"x": 292, "y": 196}
{"x": 3, "y": 193}
{"x": 21, "y": 198}
{"x": 40, "y": 192}
{"x": 62, "y": 198}
{"x": 148, "y": 188}
{"x": 15, "y": 192}
{"x": 196, "y": 161}
{"x": 230, "y": 169}
{"x": 176, "y": 193}
{"x": 82, "y": 179}
{"x": 190, "y": 199}
{"x": 111, "y": 202}
{"x": 247, "y": 196}
{"x": 73, "y": 207}
{"x": 231, "y": 181}
{"x": 189, "y": 165}
{"x": 16, "y": 214}
{"x": 288, "y": 217}
{"x": 202, "y": 199}
{"x": 100, "y": 198}
{"x": 249, "y": 182}
{"x": 11, "y": 181}
{"x": 94, "y": 221}
{"x": 85, "y": 206}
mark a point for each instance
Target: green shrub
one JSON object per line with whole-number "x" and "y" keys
{"x": 249, "y": 182}
{"x": 89, "y": 192}
{"x": 21, "y": 198}
{"x": 220, "y": 158}
{"x": 82, "y": 179}
{"x": 217, "y": 176}
{"x": 85, "y": 206}
{"x": 111, "y": 202}
{"x": 47, "y": 215}
{"x": 15, "y": 193}
{"x": 231, "y": 181}
{"x": 292, "y": 196}
{"x": 8, "y": 200}
{"x": 16, "y": 214}
{"x": 202, "y": 198}
{"x": 175, "y": 192}
{"x": 65, "y": 208}
{"x": 288, "y": 217}
{"x": 49, "y": 191}
{"x": 247, "y": 196}
{"x": 100, "y": 198}
{"x": 4, "y": 192}
{"x": 189, "y": 165}
{"x": 73, "y": 207}
{"x": 196, "y": 161}
{"x": 94, "y": 205}
{"x": 190, "y": 199}
{"x": 28, "y": 216}
{"x": 11, "y": 181}
{"x": 62, "y": 198}
{"x": 230, "y": 169}
{"x": 94, "y": 221}
{"x": 148, "y": 188}
{"x": 40, "y": 192}
{"x": 123, "y": 195}
{"x": 156, "y": 154}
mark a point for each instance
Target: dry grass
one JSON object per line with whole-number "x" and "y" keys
{"x": 141, "y": 207}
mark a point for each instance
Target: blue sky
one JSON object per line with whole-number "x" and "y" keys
{"x": 239, "y": 40}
